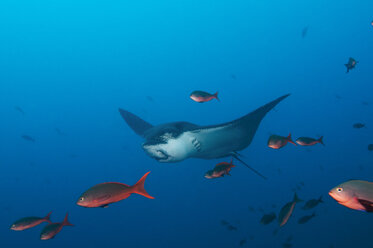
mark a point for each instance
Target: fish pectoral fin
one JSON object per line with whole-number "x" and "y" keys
{"x": 104, "y": 206}
{"x": 368, "y": 205}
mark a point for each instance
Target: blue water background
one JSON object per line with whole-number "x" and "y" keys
{"x": 71, "y": 64}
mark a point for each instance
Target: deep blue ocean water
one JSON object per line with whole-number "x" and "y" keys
{"x": 71, "y": 64}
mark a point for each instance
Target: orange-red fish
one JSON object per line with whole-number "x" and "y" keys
{"x": 277, "y": 141}
{"x": 52, "y": 229}
{"x": 305, "y": 141}
{"x": 287, "y": 210}
{"x": 201, "y": 96}
{"x": 220, "y": 170}
{"x": 101, "y": 195}
{"x": 29, "y": 222}
{"x": 354, "y": 194}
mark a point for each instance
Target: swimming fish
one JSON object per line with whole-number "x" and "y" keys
{"x": 304, "y": 32}
{"x": 268, "y": 218}
{"x": 306, "y": 218}
{"x": 224, "y": 222}
{"x": 370, "y": 147}
{"x": 354, "y": 194}
{"x": 305, "y": 141}
{"x": 312, "y": 203}
{"x": 101, "y": 195}
{"x": 59, "y": 132}
{"x": 351, "y": 64}
{"x": 358, "y": 125}
{"x": 177, "y": 141}
{"x": 52, "y": 229}
{"x": 19, "y": 109}
{"x": 231, "y": 228}
{"x": 201, "y": 96}
{"x": 277, "y": 142}
{"x": 243, "y": 242}
{"x": 220, "y": 170}
{"x": 28, "y": 138}
{"x": 287, "y": 210}
{"x": 29, "y": 222}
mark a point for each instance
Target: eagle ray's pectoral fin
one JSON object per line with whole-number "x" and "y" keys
{"x": 248, "y": 166}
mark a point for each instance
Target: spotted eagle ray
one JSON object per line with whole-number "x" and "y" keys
{"x": 177, "y": 141}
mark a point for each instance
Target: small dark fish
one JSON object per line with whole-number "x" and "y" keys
{"x": 233, "y": 77}
{"x": 29, "y": 222}
{"x": 59, "y": 132}
{"x": 287, "y": 210}
{"x": 251, "y": 209}
{"x": 370, "y": 147}
{"x": 73, "y": 155}
{"x": 201, "y": 96}
{"x": 231, "y": 228}
{"x": 306, "y": 141}
{"x": 150, "y": 99}
{"x": 287, "y": 245}
{"x": 243, "y": 242}
{"x": 351, "y": 64}
{"x": 28, "y": 138}
{"x": 365, "y": 103}
{"x": 268, "y": 218}
{"x": 275, "y": 232}
{"x": 304, "y": 32}
{"x": 312, "y": 203}
{"x": 358, "y": 125}
{"x": 338, "y": 97}
{"x": 220, "y": 170}
{"x": 52, "y": 229}
{"x": 224, "y": 222}
{"x": 19, "y": 109}
{"x": 277, "y": 142}
{"x": 101, "y": 195}
{"x": 306, "y": 218}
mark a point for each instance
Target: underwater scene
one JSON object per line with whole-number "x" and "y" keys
{"x": 204, "y": 123}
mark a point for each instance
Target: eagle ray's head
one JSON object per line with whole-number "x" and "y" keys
{"x": 168, "y": 144}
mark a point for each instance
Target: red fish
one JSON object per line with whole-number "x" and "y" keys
{"x": 220, "y": 170}
{"x": 306, "y": 141}
{"x": 29, "y": 222}
{"x": 277, "y": 142}
{"x": 52, "y": 229}
{"x": 101, "y": 195}
{"x": 201, "y": 96}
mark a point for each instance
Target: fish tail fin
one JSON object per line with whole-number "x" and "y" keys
{"x": 296, "y": 198}
{"x": 248, "y": 166}
{"x": 320, "y": 200}
{"x": 290, "y": 140}
{"x": 139, "y": 188}
{"x": 321, "y": 140}
{"x": 48, "y": 217}
{"x": 216, "y": 96}
{"x": 66, "y": 221}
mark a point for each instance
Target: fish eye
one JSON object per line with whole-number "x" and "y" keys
{"x": 339, "y": 189}
{"x": 81, "y": 198}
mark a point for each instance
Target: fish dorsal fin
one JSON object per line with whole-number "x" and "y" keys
{"x": 138, "y": 125}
